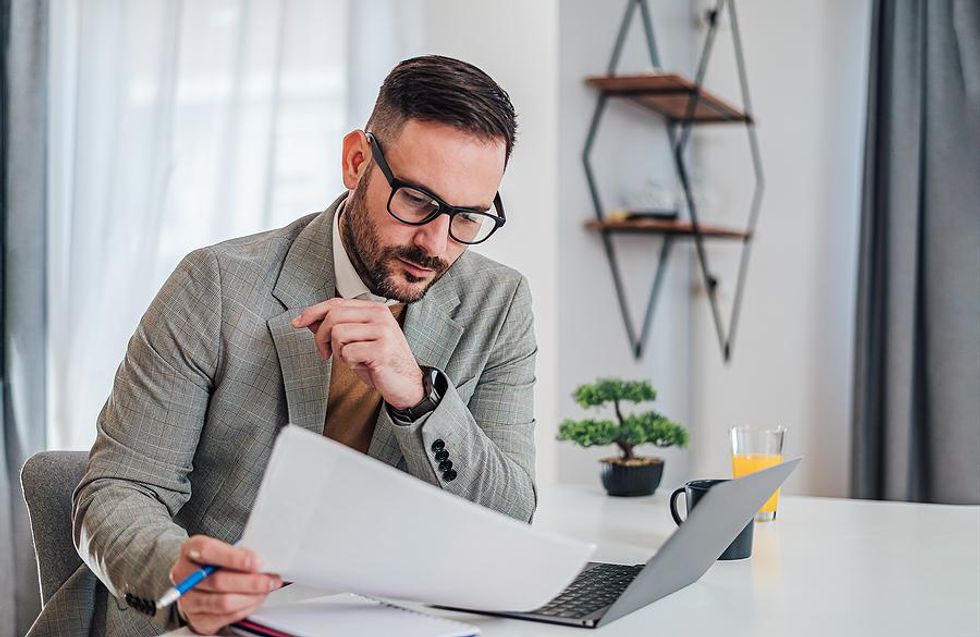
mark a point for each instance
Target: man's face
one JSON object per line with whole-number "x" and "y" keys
{"x": 401, "y": 261}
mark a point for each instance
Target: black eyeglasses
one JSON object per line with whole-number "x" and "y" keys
{"x": 416, "y": 206}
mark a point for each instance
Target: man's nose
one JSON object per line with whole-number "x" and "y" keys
{"x": 433, "y": 237}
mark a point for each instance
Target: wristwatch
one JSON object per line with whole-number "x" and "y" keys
{"x": 434, "y": 385}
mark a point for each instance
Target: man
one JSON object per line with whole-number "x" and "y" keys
{"x": 369, "y": 322}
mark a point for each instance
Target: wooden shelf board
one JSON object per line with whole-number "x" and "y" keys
{"x": 669, "y": 94}
{"x": 677, "y": 228}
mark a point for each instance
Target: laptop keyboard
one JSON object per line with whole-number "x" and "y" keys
{"x": 593, "y": 589}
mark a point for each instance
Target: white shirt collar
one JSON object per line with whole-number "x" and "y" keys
{"x": 348, "y": 282}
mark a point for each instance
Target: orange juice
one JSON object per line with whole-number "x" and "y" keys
{"x": 744, "y": 464}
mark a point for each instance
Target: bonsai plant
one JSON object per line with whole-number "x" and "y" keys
{"x": 627, "y": 474}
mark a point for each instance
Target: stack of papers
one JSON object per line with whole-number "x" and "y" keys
{"x": 335, "y": 519}
{"x": 340, "y": 615}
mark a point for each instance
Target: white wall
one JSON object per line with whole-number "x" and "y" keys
{"x": 631, "y": 147}
{"x": 516, "y": 43}
{"x": 793, "y": 356}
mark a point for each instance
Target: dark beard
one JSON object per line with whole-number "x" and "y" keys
{"x": 374, "y": 262}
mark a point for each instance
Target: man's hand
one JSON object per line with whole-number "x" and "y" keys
{"x": 366, "y": 336}
{"x": 226, "y": 596}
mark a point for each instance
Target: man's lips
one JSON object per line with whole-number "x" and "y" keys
{"x": 414, "y": 269}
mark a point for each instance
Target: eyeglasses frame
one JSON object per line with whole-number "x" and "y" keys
{"x": 444, "y": 208}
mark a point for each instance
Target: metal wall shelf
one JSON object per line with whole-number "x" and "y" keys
{"x": 682, "y": 103}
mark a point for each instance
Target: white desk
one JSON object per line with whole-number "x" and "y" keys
{"x": 826, "y": 567}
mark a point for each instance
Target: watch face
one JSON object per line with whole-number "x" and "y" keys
{"x": 431, "y": 378}
{"x": 434, "y": 380}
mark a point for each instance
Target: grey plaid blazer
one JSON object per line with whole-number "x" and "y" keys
{"x": 215, "y": 369}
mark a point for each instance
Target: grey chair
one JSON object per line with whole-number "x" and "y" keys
{"x": 48, "y": 479}
{"x": 70, "y": 592}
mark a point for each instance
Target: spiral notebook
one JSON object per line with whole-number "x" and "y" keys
{"x": 346, "y": 614}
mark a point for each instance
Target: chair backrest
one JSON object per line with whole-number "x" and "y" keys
{"x": 48, "y": 479}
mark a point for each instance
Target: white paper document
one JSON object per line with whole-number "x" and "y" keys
{"x": 330, "y": 517}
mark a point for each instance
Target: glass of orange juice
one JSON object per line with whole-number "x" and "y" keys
{"x": 755, "y": 449}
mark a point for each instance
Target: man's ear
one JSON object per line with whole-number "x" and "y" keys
{"x": 354, "y": 158}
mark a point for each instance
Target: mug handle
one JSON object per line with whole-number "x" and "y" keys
{"x": 673, "y": 505}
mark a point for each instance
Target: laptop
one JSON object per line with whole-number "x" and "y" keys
{"x": 604, "y": 592}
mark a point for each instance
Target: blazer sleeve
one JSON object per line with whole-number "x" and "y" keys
{"x": 147, "y": 433}
{"x": 490, "y": 439}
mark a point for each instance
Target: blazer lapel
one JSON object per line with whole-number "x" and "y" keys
{"x": 430, "y": 328}
{"x": 306, "y": 278}
{"x": 432, "y": 334}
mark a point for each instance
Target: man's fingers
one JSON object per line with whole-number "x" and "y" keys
{"x": 313, "y": 313}
{"x": 208, "y": 613}
{"x": 321, "y": 338}
{"x": 344, "y": 327}
{"x": 351, "y": 332}
{"x": 347, "y": 333}
{"x": 357, "y": 354}
{"x": 314, "y": 326}
{"x": 234, "y": 582}
{"x": 370, "y": 313}
{"x": 201, "y": 549}
{"x": 317, "y": 312}
{"x": 323, "y": 318}
{"x": 197, "y": 603}
{"x": 226, "y": 580}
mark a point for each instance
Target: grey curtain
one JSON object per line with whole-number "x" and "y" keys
{"x": 916, "y": 421}
{"x": 22, "y": 294}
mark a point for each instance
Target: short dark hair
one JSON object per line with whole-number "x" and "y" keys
{"x": 435, "y": 88}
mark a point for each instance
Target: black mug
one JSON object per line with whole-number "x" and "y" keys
{"x": 741, "y": 546}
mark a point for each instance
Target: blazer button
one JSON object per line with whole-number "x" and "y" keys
{"x": 145, "y": 606}
{"x": 442, "y": 455}
{"x": 445, "y": 465}
{"x": 450, "y": 475}
{"x": 438, "y": 445}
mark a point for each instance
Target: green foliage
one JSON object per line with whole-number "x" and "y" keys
{"x": 589, "y": 432}
{"x": 627, "y": 430}
{"x": 655, "y": 428}
{"x": 607, "y": 390}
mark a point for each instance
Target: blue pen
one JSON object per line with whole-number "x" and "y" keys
{"x": 187, "y": 584}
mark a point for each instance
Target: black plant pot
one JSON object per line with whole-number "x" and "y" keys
{"x": 628, "y": 480}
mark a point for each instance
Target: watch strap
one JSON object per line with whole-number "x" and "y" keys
{"x": 434, "y": 386}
